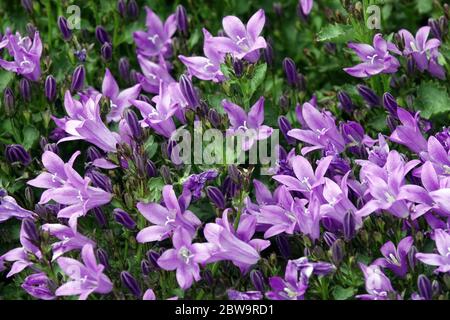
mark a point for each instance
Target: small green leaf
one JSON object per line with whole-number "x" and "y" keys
{"x": 5, "y": 78}
{"x": 432, "y": 99}
{"x": 258, "y": 78}
{"x": 337, "y": 33}
{"x": 424, "y": 6}
{"x": 30, "y": 136}
{"x": 340, "y": 293}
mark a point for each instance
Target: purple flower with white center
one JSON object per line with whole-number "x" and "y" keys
{"x": 9, "y": 208}
{"x": 376, "y": 59}
{"x": 408, "y": 133}
{"x": 322, "y": 132}
{"x": 26, "y": 53}
{"x": 293, "y": 286}
{"x": 438, "y": 156}
{"x": 305, "y": 179}
{"x": 318, "y": 268}
{"x": 244, "y": 42}
{"x": 247, "y": 295}
{"x": 433, "y": 195}
{"x": 118, "y": 100}
{"x": 84, "y": 123}
{"x": 156, "y": 40}
{"x": 85, "y": 278}
{"x": 419, "y": 47}
{"x": 69, "y": 239}
{"x": 20, "y": 257}
{"x": 65, "y": 186}
{"x": 207, "y": 67}
{"x": 152, "y": 74}
{"x": 442, "y": 258}
{"x": 247, "y": 126}
{"x": 185, "y": 257}
{"x": 396, "y": 259}
{"x": 195, "y": 182}
{"x": 283, "y": 217}
{"x": 167, "y": 218}
{"x": 237, "y": 245}
{"x": 378, "y": 286}
{"x": 159, "y": 117}
{"x": 384, "y": 185}
{"x": 39, "y": 286}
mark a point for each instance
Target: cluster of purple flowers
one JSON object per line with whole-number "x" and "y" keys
{"x": 335, "y": 181}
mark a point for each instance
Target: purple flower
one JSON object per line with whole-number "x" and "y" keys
{"x": 442, "y": 259}
{"x": 26, "y": 53}
{"x": 378, "y": 286}
{"x": 396, "y": 259}
{"x": 247, "y": 126}
{"x": 306, "y": 6}
{"x": 65, "y": 186}
{"x": 408, "y": 133}
{"x": 84, "y": 123}
{"x": 152, "y": 74}
{"x": 247, "y": 295}
{"x": 422, "y": 50}
{"x": 322, "y": 133}
{"x": 293, "y": 286}
{"x": 69, "y": 239}
{"x": 39, "y": 286}
{"x": 376, "y": 59}
{"x": 235, "y": 245}
{"x": 9, "y": 208}
{"x": 305, "y": 179}
{"x": 85, "y": 278}
{"x": 166, "y": 218}
{"x": 185, "y": 257}
{"x": 244, "y": 42}
{"x": 22, "y": 256}
{"x": 195, "y": 182}
{"x": 159, "y": 117}
{"x": 157, "y": 40}
{"x": 119, "y": 101}
{"x": 207, "y": 67}
{"x": 438, "y": 156}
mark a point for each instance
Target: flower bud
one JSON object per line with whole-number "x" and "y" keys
{"x": 329, "y": 238}
{"x": 64, "y": 28}
{"x": 368, "y": 95}
{"x": 234, "y": 173}
{"x": 17, "y": 153}
{"x": 349, "y": 225}
{"x": 182, "y": 21}
{"x": 207, "y": 275}
{"x": 106, "y": 51}
{"x": 100, "y": 217}
{"x": 283, "y": 245}
{"x": 133, "y": 9}
{"x": 124, "y": 68}
{"x": 345, "y": 102}
{"x": 78, "y": 79}
{"x": 27, "y": 5}
{"x": 93, "y": 153}
{"x": 330, "y": 48}
{"x": 130, "y": 283}
{"x": 277, "y": 9}
{"x": 412, "y": 260}
{"x": 100, "y": 180}
{"x": 133, "y": 123}
{"x": 424, "y": 286}
{"x": 214, "y": 118}
{"x": 124, "y": 219}
{"x": 30, "y": 231}
{"x": 238, "y": 67}
{"x": 285, "y": 126}
{"x": 257, "y": 280}
{"x": 390, "y": 104}
{"x": 145, "y": 267}
{"x": 31, "y": 30}
{"x": 150, "y": 168}
{"x": 8, "y": 101}
{"x": 436, "y": 287}
{"x": 337, "y": 252}
{"x": 50, "y": 88}
{"x": 102, "y": 256}
{"x": 122, "y": 8}
{"x": 268, "y": 54}
{"x": 188, "y": 91}
{"x": 25, "y": 89}
{"x": 152, "y": 257}
{"x": 216, "y": 196}
{"x": 101, "y": 35}
{"x": 443, "y": 25}
{"x": 435, "y": 29}
{"x": 290, "y": 72}
{"x": 410, "y": 65}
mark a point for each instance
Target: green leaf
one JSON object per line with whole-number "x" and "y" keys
{"x": 150, "y": 147}
{"x": 424, "y": 6}
{"x": 340, "y": 293}
{"x": 258, "y": 78}
{"x": 337, "y": 33}
{"x": 30, "y": 136}
{"x": 432, "y": 99}
{"x": 5, "y": 78}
